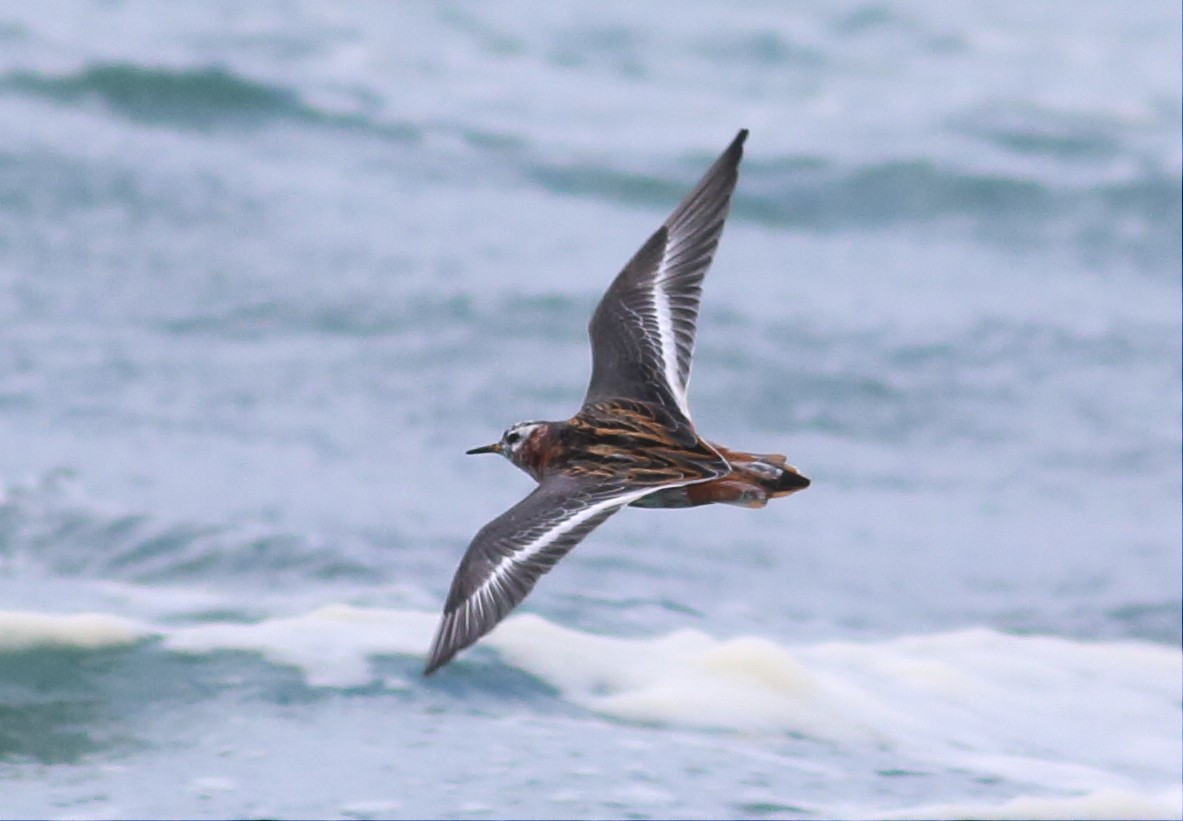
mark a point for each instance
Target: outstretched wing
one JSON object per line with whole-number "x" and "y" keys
{"x": 512, "y": 551}
{"x": 642, "y": 333}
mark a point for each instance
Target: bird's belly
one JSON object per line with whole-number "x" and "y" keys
{"x": 670, "y": 497}
{"x": 755, "y": 480}
{"x": 728, "y": 490}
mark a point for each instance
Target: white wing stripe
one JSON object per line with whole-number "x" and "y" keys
{"x": 668, "y": 340}
{"x": 531, "y": 549}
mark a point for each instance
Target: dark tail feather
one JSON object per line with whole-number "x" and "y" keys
{"x": 770, "y": 472}
{"x": 790, "y": 480}
{"x": 776, "y": 475}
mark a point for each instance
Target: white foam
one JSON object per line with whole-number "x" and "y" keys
{"x": 207, "y": 786}
{"x": 1107, "y": 803}
{"x": 1029, "y": 708}
{"x": 690, "y": 679}
{"x": 27, "y": 630}
{"x": 1026, "y": 709}
{"x": 371, "y": 809}
{"x": 330, "y": 645}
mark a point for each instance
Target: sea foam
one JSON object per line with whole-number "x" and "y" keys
{"x": 26, "y": 630}
{"x": 1028, "y": 709}
{"x": 1019, "y": 707}
{"x": 1106, "y": 803}
{"x": 331, "y": 645}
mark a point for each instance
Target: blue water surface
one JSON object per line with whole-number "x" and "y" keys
{"x": 268, "y": 269}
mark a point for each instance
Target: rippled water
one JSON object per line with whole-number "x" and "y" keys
{"x": 267, "y": 270}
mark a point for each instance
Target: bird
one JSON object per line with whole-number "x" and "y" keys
{"x": 632, "y": 443}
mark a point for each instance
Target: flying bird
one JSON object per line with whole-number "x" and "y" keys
{"x": 632, "y": 442}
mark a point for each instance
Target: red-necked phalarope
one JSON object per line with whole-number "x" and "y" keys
{"x": 632, "y": 442}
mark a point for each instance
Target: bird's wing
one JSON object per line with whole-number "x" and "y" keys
{"x": 642, "y": 333}
{"x": 508, "y": 555}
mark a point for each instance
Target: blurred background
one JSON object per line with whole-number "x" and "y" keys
{"x": 268, "y": 269}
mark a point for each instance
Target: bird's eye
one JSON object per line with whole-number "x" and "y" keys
{"x": 512, "y": 437}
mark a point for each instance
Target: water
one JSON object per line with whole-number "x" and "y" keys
{"x": 266, "y": 271}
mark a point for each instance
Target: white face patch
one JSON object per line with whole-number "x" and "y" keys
{"x": 517, "y": 436}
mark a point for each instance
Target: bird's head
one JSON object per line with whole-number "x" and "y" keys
{"x": 515, "y": 443}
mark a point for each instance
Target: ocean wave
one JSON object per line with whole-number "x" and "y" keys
{"x": 50, "y": 525}
{"x": 1139, "y": 218}
{"x": 331, "y": 646}
{"x": 1043, "y": 132}
{"x": 190, "y": 97}
{"x": 352, "y": 318}
{"x": 1103, "y": 214}
{"x": 1105, "y": 803}
{"x": 996, "y": 701}
{"x": 816, "y": 193}
{"x": 912, "y": 691}
{"x": 200, "y": 97}
{"x": 22, "y": 631}
{"x": 1023, "y": 709}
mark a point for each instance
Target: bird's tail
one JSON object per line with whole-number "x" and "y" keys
{"x": 754, "y": 479}
{"x": 771, "y": 471}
